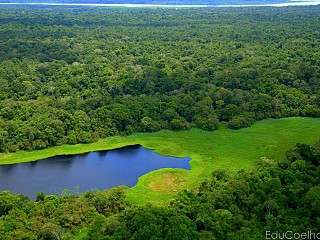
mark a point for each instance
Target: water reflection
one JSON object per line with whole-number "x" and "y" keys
{"x": 102, "y": 153}
{"x": 101, "y": 170}
{"x": 7, "y": 168}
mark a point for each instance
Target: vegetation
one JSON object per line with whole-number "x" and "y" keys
{"x": 270, "y": 197}
{"x": 224, "y": 149}
{"x": 76, "y": 75}
{"x": 72, "y": 76}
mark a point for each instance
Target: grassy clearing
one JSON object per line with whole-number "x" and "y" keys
{"x": 223, "y": 149}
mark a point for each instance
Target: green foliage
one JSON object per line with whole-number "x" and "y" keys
{"x": 51, "y": 231}
{"x": 76, "y": 76}
{"x": 40, "y": 196}
{"x": 108, "y": 202}
{"x": 10, "y": 201}
{"x": 54, "y": 217}
{"x": 312, "y": 201}
{"x": 240, "y": 121}
{"x": 268, "y": 197}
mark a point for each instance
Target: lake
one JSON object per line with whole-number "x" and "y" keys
{"x": 94, "y": 170}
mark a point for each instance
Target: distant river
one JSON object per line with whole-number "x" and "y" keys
{"x": 282, "y": 4}
{"x": 94, "y": 170}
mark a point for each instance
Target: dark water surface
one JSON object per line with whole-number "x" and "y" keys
{"x": 101, "y": 170}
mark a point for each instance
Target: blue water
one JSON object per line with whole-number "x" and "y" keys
{"x": 94, "y": 170}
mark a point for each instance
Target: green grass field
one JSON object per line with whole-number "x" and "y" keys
{"x": 227, "y": 149}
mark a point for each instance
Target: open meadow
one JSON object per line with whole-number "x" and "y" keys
{"x": 227, "y": 149}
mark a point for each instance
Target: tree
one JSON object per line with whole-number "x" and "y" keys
{"x": 149, "y": 125}
{"x": 3, "y": 140}
{"x": 179, "y": 124}
{"x": 51, "y": 231}
{"x": 240, "y": 121}
{"x": 40, "y": 196}
{"x": 180, "y": 227}
{"x": 312, "y": 201}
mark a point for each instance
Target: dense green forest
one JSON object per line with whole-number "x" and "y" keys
{"x": 74, "y": 75}
{"x": 271, "y": 197}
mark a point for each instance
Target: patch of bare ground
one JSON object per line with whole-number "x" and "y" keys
{"x": 167, "y": 183}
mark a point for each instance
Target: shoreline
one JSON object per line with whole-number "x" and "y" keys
{"x": 154, "y": 141}
{"x": 225, "y": 149}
